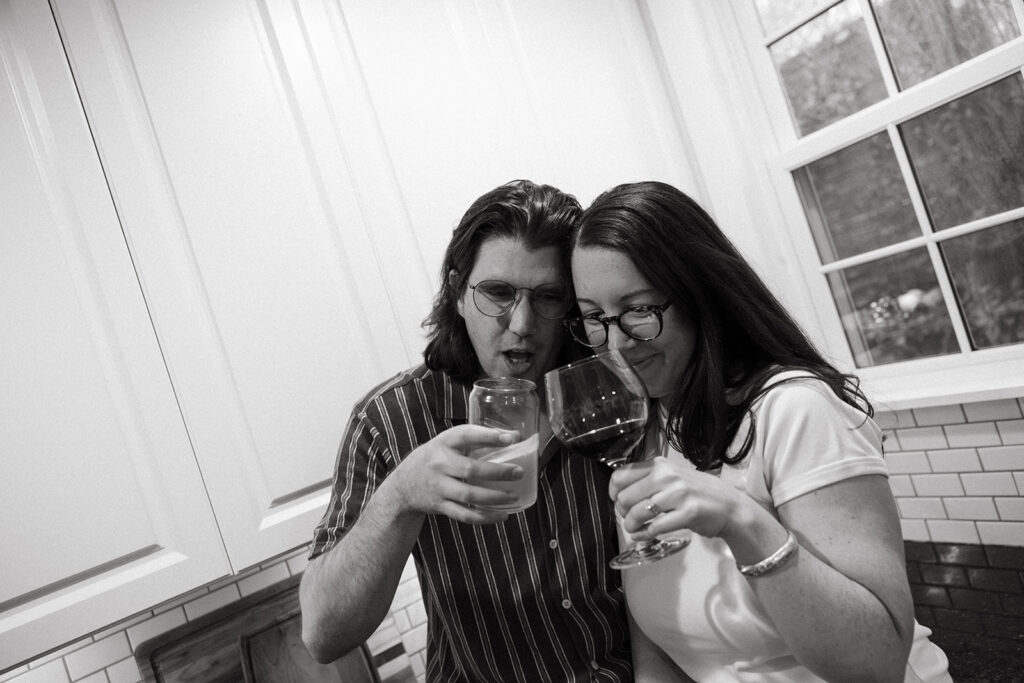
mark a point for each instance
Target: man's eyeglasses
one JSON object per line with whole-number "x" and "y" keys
{"x": 495, "y": 298}
{"x": 642, "y": 323}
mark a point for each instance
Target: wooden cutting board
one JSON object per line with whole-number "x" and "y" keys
{"x": 255, "y": 640}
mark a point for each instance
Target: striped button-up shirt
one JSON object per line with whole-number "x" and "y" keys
{"x": 528, "y": 599}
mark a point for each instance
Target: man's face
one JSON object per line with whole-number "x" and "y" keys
{"x": 518, "y": 343}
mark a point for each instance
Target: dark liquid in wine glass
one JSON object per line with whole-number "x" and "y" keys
{"x": 609, "y": 445}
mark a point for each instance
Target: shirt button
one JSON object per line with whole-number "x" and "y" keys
{"x": 567, "y": 603}
{"x": 552, "y": 544}
{"x": 594, "y": 665}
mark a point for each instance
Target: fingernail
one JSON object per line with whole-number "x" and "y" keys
{"x": 508, "y": 437}
{"x": 518, "y": 472}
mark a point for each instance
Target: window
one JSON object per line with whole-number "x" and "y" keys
{"x": 901, "y": 127}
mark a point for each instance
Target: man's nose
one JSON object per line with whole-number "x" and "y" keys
{"x": 521, "y": 316}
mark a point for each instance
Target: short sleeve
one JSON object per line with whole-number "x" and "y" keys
{"x": 809, "y": 439}
{"x": 359, "y": 470}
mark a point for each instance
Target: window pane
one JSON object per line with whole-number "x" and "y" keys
{"x": 778, "y": 14}
{"x": 987, "y": 270}
{"x": 926, "y": 37}
{"x": 892, "y": 309}
{"x": 828, "y": 69}
{"x": 968, "y": 155}
{"x": 855, "y": 200}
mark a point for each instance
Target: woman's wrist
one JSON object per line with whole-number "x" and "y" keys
{"x": 753, "y": 534}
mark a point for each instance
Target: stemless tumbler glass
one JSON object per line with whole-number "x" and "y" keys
{"x": 509, "y": 403}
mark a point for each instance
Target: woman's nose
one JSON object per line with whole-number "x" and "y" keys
{"x": 617, "y": 339}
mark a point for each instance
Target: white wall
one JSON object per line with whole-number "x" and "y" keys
{"x": 470, "y": 95}
{"x": 712, "y": 84}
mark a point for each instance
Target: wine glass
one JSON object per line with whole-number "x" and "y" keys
{"x": 598, "y": 408}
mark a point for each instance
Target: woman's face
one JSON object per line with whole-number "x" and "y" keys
{"x": 608, "y": 284}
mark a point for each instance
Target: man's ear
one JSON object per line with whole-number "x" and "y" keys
{"x": 453, "y": 283}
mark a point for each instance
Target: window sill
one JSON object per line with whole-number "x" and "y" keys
{"x": 981, "y": 376}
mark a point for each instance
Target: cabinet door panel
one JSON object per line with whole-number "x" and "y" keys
{"x": 288, "y": 174}
{"x": 105, "y": 513}
{"x": 251, "y": 243}
{"x": 473, "y": 93}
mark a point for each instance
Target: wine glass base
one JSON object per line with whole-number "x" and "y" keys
{"x": 645, "y": 553}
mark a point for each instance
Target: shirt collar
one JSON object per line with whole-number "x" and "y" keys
{"x": 450, "y": 399}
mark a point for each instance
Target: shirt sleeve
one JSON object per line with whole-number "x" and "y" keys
{"x": 359, "y": 470}
{"x": 810, "y": 439}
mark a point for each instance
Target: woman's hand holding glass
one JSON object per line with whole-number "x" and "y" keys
{"x": 661, "y": 497}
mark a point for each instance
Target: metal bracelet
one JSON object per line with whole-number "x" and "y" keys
{"x": 779, "y": 557}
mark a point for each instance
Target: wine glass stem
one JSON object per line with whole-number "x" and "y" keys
{"x": 647, "y": 547}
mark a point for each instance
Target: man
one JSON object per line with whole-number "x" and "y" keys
{"x": 521, "y": 597}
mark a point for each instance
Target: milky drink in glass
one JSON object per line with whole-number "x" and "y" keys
{"x": 509, "y": 403}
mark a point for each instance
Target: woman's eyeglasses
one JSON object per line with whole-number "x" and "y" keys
{"x": 495, "y": 298}
{"x": 642, "y": 323}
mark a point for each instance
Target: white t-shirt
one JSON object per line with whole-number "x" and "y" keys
{"x": 697, "y": 607}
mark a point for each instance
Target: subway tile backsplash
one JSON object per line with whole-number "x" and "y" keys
{"x": 398, "y": 646}
{"x": 958, "y": 471}
{"x": 968, "y": 588}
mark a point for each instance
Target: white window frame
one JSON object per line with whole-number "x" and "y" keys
{"x": 970, "y": 375}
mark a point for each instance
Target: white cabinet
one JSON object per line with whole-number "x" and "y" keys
{"x": 191, "y": 301}
{"x": 225, "y": 228}
{"x": 261, "y": 153}
{"x": 104, "y": 510}
{"x": 252, "y": 246}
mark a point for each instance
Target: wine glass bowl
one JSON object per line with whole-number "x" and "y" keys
{"x": 598, "y": 408}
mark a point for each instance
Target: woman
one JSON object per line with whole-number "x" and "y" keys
{"x": 795, "y": 571}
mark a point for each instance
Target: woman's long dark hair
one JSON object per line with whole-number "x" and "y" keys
{"x": 538, "y": 216}
{"x": 744, "y": 335}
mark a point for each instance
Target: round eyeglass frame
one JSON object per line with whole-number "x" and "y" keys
{"x": 617, "y": 319}
{"x": 515, "y": 300}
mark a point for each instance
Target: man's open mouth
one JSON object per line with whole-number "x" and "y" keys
{"x": 516, "y": 357}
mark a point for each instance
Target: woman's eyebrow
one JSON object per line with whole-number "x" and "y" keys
{"x": 650, "y": 291}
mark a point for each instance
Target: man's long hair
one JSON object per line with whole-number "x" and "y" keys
{"x": 537, "y": 216}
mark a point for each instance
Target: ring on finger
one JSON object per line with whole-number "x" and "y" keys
{"x": 653, "y": 508}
